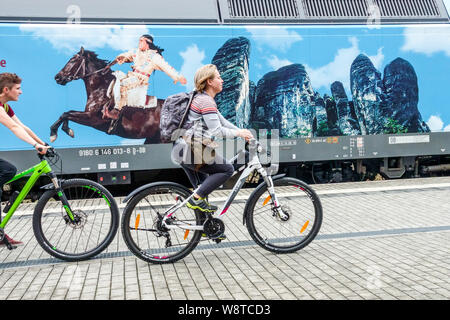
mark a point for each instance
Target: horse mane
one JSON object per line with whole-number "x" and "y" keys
{"x": 93, "y": 57}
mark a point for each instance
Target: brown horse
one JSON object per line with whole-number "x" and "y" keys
{"x": 133, "y": 123}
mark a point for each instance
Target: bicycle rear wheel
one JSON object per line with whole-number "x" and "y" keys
{"x": 284, "y": 234}
{"x": 142, "y": 230}
{"x": 96, "y": 220}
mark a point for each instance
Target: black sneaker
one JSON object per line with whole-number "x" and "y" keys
{"x": 201, "y": 204}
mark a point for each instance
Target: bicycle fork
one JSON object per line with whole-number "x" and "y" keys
{"x": 62, "y": 197}
{"x": 271, "y": 188}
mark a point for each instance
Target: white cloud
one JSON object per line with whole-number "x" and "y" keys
{"x": 276, "y": 63}
{"x": 70, "y": 37}
{"x": 427, "y": 40}
{"x": 378, "y": 59}
{"x": 339, "y": 68}
{"x": 192, "y": 60}
{"x": 435, "y": 123}
{"x": 274, "y": 37}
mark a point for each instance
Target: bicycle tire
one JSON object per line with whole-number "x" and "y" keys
{"x": 274, "y": 234}
{"x": 97, "y": 222}
{"x": 141, "y": 234}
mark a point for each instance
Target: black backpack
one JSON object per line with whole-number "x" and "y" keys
{"x": 174, "y": 113}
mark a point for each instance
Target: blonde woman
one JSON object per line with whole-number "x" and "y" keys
{"x": 207, "y": 122}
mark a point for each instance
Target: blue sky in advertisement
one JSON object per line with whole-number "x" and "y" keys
{"x": 37, "y": 53}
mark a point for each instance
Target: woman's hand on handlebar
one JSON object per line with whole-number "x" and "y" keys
{"x": 41, "y": 149}
{"x": 246, "y": 134}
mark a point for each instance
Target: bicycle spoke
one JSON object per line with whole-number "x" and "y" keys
{"x": 144, "y": 232}
{"x": 292, "y": 223}
{"x": 94, "y": 225}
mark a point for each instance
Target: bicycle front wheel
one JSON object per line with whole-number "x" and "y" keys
{"x": 96, "y": 220}
{"x": 295, "y": 227}
{"x": 146, "y": 236}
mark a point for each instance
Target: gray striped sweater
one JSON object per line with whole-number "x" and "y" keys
{"x": 207, "y": 120}
{"x": 207, "y": 123}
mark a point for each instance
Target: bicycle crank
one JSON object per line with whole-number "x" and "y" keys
{"x": 214, "y": 228}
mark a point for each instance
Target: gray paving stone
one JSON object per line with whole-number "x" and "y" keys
{"x": 373, "y": 245}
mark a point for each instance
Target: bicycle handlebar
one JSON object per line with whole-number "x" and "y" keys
{"x": 254, "y": 144}
{"x": 51, "y": 153}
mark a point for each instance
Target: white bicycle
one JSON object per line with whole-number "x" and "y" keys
{"x": 282, "y": 215}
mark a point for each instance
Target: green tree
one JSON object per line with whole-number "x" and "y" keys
{"x": 303, "y": 132}
{"x": 392, "y": 127}
{"x": 322, "y": 129}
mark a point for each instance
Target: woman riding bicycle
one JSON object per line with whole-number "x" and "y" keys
{"x": 158, "y": 228}
{"x": 207, "y": 125}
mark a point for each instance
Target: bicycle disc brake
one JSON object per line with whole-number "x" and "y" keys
{"x": 282, "y": 212}
{"x": 214, "y": 228}
{"x": 79, "y": 220}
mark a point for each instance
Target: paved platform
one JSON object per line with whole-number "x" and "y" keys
{"x": 379, "y": 240}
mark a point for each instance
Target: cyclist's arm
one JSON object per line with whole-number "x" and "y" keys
{"x": 243, "y": 133}
{"x": 216, "y": 129}
{"x": 28, "y": 130}
{"x": 224, "y": 122}
{"x": 19, "y": 131}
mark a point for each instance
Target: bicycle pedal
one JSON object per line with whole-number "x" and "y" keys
{"x": 219, "y": 238}
{"x": 9, "y": 246}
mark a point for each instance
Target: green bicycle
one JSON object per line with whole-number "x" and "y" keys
{"x": 73, "y": 220}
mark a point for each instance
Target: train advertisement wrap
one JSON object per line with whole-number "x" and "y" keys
{"x": 322, "y": 87}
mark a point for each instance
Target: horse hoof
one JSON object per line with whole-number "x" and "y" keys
{"x": 53, "y": 138}
{"x": 71, "y": 134}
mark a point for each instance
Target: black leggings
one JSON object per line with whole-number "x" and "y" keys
{"x": 7, "y": 172}
{"x": 210, "y": 176}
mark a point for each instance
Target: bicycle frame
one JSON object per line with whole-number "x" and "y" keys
{"x": 36, "y": 172}
{"x": 253, "y": 164}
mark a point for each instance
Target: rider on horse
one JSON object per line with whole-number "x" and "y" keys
{"x": 133, "y": 87}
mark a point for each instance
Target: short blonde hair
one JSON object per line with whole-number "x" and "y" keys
{"x": 202, "y": 75}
